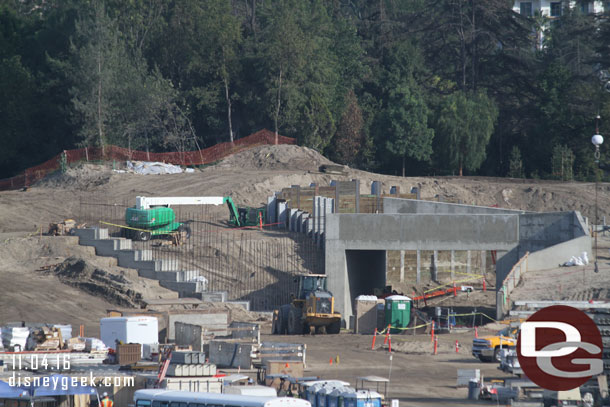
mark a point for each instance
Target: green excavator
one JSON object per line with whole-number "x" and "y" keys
{"x": 155, "y": 217}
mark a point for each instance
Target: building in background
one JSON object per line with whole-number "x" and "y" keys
{"x": 555, "y": 8}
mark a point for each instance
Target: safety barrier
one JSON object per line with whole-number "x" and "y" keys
{"x": 109, "y": 152}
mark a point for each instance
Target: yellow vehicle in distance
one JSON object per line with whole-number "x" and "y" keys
{"x": 487, "y": 348}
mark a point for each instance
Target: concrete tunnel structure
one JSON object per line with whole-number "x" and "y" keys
{"x": 356, "y": 244}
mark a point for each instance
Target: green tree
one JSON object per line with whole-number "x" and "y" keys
{"x": 349, "y": 141}
{"x": 515, "y": 164}
{"x": 116, "y": 99}
{"x": 98, "y": 51}
{"x": 464, "y": 125}
{"x": 562, "y": 162}
{"x": 403, "y": 122}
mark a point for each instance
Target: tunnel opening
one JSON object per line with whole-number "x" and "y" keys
{"x": 366, "y": 271}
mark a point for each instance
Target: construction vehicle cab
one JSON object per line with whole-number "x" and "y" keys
{"x": 312, "y": 309}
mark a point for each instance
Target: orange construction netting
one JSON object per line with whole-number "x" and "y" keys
{"x": 200, "y": 157}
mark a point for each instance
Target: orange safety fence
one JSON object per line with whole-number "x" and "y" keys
{"x": 200, "y": 157}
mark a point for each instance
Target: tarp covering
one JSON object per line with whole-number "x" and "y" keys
{"x": 12, "y": 392}
{"x": 151, "y": 168}
{"x": 60, "y": 385}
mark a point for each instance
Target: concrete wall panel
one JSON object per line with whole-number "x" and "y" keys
{"x": 406, "y": 206}
{"x": 412, "y": 232}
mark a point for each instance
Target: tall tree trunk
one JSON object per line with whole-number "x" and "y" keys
{"x": 253, "y": 19}
{"x": 99, "y": 102}
{"x": 225, "y": 80}
{"x": 461, "y": 173}
{"x": 278, "y": 105}
{"x": 474, "y": 47}
{"x": 403, "y": 165}
{"x": 228, "y": 99}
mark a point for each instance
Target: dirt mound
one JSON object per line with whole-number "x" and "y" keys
{"x": 82, "y": 177}
{"x": 280, "y": 157}
{"x": 114, "y": 288}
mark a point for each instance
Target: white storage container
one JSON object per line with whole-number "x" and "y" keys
{"x": 142, "y": 330}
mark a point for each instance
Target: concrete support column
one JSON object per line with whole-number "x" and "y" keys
{"x": 297, "y": 188}
{"x": 282, "y": 215}
{"x": 468, "y": 269}
{"x": 452, "y": 264}
{"x": 357, "y": 194}
{"x": 483, "y": 262}
{"x": 315, "y": 216}
{"x": 402, "y": 266}
{"x": 434, "y": 266}
{"x": 271, "y": 205}
{"x": 337, "y": 196}
{"x": 418, "y": 278}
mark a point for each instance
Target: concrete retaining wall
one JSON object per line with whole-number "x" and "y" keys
{"x": 373, "y": 234}
{"x": 426, "y": 231}
{"x": 558, "y": 254}
{"x": 406, "y": 206}
{"x": 541, "y": 230}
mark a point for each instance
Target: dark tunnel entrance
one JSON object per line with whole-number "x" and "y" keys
{"x": 365, "y": 271}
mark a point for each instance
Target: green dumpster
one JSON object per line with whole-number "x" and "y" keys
{"x": 397, "y": 312}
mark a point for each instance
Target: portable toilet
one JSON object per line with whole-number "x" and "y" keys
{"x": 321, "y": 395}
{"x": 363, "y": 398}
{"x": 310, "y": 393}
{"x": 349, "y": 397}
{"x": 397, "y": 312}
{"x": 335, "y": 397}
{"x": 312, "y": 387}
{"x": 332, "y": 398}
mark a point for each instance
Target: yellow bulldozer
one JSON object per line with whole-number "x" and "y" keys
{"x": 312, "y": 309}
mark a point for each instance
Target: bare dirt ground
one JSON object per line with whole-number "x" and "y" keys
{"x": 417, "y": 377}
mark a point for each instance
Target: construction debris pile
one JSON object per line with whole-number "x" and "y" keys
{"x": 113, "y": 287}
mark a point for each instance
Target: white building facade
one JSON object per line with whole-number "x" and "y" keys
{"x": 550, "y": 8}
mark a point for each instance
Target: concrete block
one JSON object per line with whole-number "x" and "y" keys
{"x": 214, "y": 296}
{"x": 231, "y": 355}
{"x": 245, "y": 304}
{"x": 282, "y": 214}
{"x": 184, "y": 289}
{"x": 272, "y": 209}
{"x": 182, "y": 358}
{"x": 108, "y": 247}
{"x": 91, "y": 233}
{"x": 215, "y": 323}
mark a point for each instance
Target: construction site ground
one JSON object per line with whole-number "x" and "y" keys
{"x": 417, "y": 377}
{"x": 38, "y": 289}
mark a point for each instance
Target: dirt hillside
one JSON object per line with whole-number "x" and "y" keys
{"x": 249, "y": 177}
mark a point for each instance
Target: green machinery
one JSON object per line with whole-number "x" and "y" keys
{"x": 155, "y": 217}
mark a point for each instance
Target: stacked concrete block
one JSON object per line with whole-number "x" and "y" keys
{"x": 190, "y": 364}
{"x": 187, "y": 283}
{"x": 214, "y": 296}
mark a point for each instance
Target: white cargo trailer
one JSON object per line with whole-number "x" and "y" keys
{"x": 143, "y": 330}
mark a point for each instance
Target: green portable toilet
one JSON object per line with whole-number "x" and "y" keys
{"x": 397, "y": 312}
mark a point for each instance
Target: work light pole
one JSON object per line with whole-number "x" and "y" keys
{"x": 597, "y": 141}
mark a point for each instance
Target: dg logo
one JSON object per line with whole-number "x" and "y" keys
{"x": 560, "y": 348}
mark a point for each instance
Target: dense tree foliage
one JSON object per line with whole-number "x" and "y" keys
{"x": 412, "y": 87}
